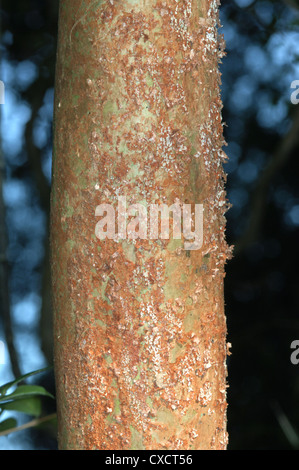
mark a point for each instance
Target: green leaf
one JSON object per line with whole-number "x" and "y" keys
{"x": 7, "y": 386}
{"x": 24, "y": 391}
{"x": 30, "y": 405}
{"x": 7, "y": 424}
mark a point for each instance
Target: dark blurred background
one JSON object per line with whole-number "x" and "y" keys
{"x": 262, "y": 282}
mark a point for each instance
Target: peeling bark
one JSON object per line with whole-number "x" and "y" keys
{"x": 140, "y": 329}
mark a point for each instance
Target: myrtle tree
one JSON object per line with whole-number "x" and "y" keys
{"x": 140, "y": 328}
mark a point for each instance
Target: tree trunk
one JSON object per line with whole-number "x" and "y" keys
{"x": 140, "y": 330}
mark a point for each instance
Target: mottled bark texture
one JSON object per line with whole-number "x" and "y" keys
{"x": 140, "y": 330}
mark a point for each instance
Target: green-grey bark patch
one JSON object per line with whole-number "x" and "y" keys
{"x": 89, "y": 420}
{"x": 136, "y": 439}
{"x": 190, "y": 320}
{"x": 174, "y": 245}
{"x": 165, "y": 416}
{"x": 149, "y": 402}
{"x": 101, "y": 323}
{"x": 122, "y": 148}
{"x": 68, "y": 209}
{"x": 70, "y": 244}
{"x": 108, "y": 358}
{"x": 190, "y": 414}
{"x": 117, "y": 407}
{"x": 142, "y": 330}
{"x": 194, "y": 179}
{"x": 135, "y": 172}
{"x": 149, "y": 80}
{"x": 96, "y": 293}
{"x": 103, "y": 290}
{"x": 139, "y": 369}
{"x": 109, "y": 109}
{"x": 129, "y": 251}
{"x": 169, "y": 419}
{"x": 171, "y": 290}
{"x": 176, "y": 352}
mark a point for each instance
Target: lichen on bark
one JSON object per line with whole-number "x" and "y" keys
{"x": 140, "y": 330}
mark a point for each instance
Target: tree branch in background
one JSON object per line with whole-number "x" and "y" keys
{"x": 259, "y": 198}
{"x": 37, "y": 92}
{"x": 4, "y": 276}
{"x": 31, "y": 424}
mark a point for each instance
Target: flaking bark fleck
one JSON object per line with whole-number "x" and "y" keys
{"x": 140, "y": 330}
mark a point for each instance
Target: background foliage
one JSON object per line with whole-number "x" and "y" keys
{"x": 261, "y": 288}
